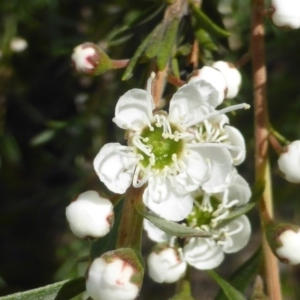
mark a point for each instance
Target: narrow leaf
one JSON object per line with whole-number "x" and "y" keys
{"x": 169, "y": 41}
{"x": 229, "y": 290}
{"x": 206, "y": 23}
{"x": 63, "y": 290}
{"x": 133, "y": 61}
{"x": 108, "y": 242}
{"x": 170, "y": 227}
{"x": 155, "y": 42}
{"x": 236, "y": 212}
{"x": 244, "y": 275}
{"x": 205, "y": 40}
{"x": 43, "y": 137}
{"x": 185, "y": 293}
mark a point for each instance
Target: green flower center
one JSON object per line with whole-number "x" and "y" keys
{"x": 202, "y": 217}
{"x": 163, "y": 148}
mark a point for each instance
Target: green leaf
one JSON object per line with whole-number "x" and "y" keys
{"x": 206, "y": 23}
{"x": 169, "y": 41}
{"x": 185, "y": 293}
{"x": 236, "y": 212}
{"x": 205, "y": 40}
{"x": 244, "y": 275}
{"x": 257, "y": 191}
{"x": 229, "y": 290}
{"x": 108, "y": 242}
{"x": 156, "y": 41}
{"x": 133, "y": 61}
{"x": 175, "y": 67}
{"x": 170, "y": 227}
{"x": 43, "y": 137}
{"x": 62, "y": 290}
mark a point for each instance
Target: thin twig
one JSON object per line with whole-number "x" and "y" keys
{"x": 262, "y": 142}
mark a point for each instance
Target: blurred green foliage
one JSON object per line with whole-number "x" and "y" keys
{"x": 53, "y": 122}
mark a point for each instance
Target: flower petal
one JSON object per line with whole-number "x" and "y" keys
{"x": 154, "y": 233}
{"x": 241, "y": 237}
{"x": 235, "y": 138}
{"x": 220, "y": 162}
{"x": 114, "y": 169}
{"x": 203, "y": 253}
{"x": 192, "y": 101}
{"x": 131, "y": 110}
{"x": 161, "y": 197}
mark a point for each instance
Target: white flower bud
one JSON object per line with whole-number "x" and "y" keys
{"x": 289, "y": 251}
{"x": 232, "y": 76}
{"x": 289, "y": 162}
{"x": 284, "y": 240}
{"x": 286, "y": 13}
{"x": 166, "y": 265}
{"x": 18, "y": 44}
{"x": 116, "y": 275}
{"x": 90, "y": 59}
{"x": 90, "y": 215}
{"x": 214, "y": 77}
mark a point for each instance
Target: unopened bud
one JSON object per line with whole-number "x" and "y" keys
{"x": 289, "y": 162}
{"x": 116, "y": 275}
{"x": 90, "y": 59}
{"x": 18, "y": 44}
{"x": 214, "y": 77}
{"x": 286, "y": 13}
{"x": 232, "y": 76}
{"x": 90, "y": 215}
{"x": 284, "y": 240}
{"x": 165, "y": 264}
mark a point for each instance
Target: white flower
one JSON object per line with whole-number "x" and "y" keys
{"x": 289, "y": 251}
{"x": 163, "y": 151}
{"x": 214, "y": 77}
{"x": 232, "y": 76}
{"x": 18, "y": 44}
{"x": 166, "y": 265}
{"x": 208, "y": 253}
{"x": 289, "y": 162}
{"x": 286, "y": 13}
{"x": 90, "y": 215}
{"x": 154, "y": 233}
{"x": 112, "y": 277}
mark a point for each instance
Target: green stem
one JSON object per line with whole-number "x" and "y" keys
{"x": 262, "y": 169}
{"x": 131, "y": 226}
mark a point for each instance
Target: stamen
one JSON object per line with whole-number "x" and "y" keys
{"x": 237, "y": 230}
{"x": 217, "y": 113}
{"x": 136, "y": 140}
{"x": 149, "y": 96}
{"x": 172, "y": 241}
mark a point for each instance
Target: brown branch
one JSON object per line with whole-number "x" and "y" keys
{"x": 261, "y": 142}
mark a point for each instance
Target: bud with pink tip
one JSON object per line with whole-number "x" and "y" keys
{"x": 165, "y": 264}
{"x": 90, "y": 215}
{"x": 90, "y": 59}
{"x": 284, "y": 240}
{"x": 116, "y": 275}
{"x": 286, "y": 13}
{"x": 289, "y": 162}
{"x": 232, "y": 76}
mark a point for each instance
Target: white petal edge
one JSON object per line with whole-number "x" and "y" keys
{"x": 114, "y": 169}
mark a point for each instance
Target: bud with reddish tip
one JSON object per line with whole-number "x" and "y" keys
{"x": 284, "y": 240}
{"x": 289, "y": 162}
{"x": 90, "y": 215}
{"x": 165, "y": 264}
{"x": 90, "y": 59}
{"x": 116, "y": 275}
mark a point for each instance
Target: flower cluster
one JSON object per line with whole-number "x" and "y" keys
{"x": 175, "y": 153}
{"x": 209, "y": 213}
